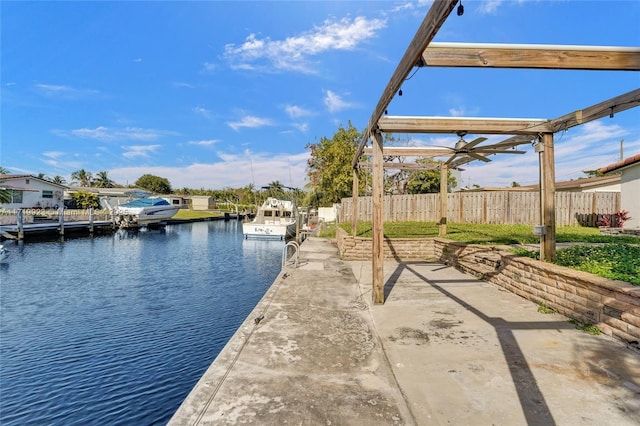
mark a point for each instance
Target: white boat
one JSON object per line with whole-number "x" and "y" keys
{"x": 276, "y": 219}
{"x": 4, "y": 253}
{"x": 144, "y": 211}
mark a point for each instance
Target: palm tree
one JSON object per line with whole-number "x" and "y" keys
{"x": 275, "y": 189}
{"x": 59, "y": 180}
{"x": 4, "y": 171}
{"x": 81, "y": 177}
{"x": 102, "y": 180}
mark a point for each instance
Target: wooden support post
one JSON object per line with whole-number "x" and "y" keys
{"x": 20, "y": 223}
{"x": 378, "y": 225}
{"x": 354, "y": 203}
{"x": 91, "y": 221}
{"x": 548, "y": 246}
{"x": 61, "y": 220}
{"x": 444, "y": 173}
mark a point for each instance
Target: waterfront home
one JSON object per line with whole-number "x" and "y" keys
{"x": 30, "y": 192}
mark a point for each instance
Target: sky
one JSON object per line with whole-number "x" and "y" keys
{"x": 218, "y": 94}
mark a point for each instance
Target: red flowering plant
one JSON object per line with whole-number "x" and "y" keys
{"x": 615, "y": 220}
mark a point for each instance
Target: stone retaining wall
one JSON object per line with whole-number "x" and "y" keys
{"x": 613, "y": 306}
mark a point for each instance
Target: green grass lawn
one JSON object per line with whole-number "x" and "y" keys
{"x": 615, "y": 257}
{"x": 184, "y": 214}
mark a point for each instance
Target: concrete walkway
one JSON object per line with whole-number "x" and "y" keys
{"x": 445, "y": 349}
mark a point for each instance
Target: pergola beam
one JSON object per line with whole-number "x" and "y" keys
{"x": 603, "y": 109}
{"x": 438, "y": 13}
{"x": 475, "y": 125}
{"x": 532, "y": 56}
{"x": 412, "y": 151}
{"x": 611, "y": 106}
{"x": 401, "y": 166}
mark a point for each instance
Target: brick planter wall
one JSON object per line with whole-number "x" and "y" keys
{"x": 613, "y": 306}
{"x": 358, "y": 248}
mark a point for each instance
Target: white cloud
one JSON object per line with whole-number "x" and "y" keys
{"x": 64, "y": 92}
{"x": 134, "y": 151}
{"x": 293, "y": 53}
{"x": 208, "y": 68}
{"x": 303, "y": 127}
{"x": 206, "y": 143}
{"x": 53, "y": 154}
{"x": 335, "y": 103}
{"x": 250, "y": 121}
{"x": 102, "y": 133}
{"x": 235, "y": 170}
{"x": 491, "y": 6}
{"x": 182, "y": 84}
{"x": 203, "y": 112}
{"x": 295, "y": 111}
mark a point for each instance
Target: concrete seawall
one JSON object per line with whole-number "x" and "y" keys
{"x": 446, "y": 348}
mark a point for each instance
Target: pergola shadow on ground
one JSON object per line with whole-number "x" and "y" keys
{"x": 539, "y": 354}
{"x": 531, "y": 398}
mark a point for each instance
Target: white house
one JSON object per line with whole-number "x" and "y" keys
{"x": 629, "y": 171}
{"x": 27, "y": 191}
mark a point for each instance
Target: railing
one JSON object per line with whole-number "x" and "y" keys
{"x": 291, "y": 254}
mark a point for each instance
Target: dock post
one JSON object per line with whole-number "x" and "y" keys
{"x": 20, "y": 223}
{"x": 91, "y": 221}
{"x": 61, "y": 220}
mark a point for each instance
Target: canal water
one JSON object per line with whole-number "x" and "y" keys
{"x": 118, "y": 329}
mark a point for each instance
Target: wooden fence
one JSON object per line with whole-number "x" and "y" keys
{"x": 509, "y": 207}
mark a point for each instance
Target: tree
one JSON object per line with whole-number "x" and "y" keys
{"x": 592, "y": 173}
{"x": 102, "y": 180}
{"x": 275, "y": 189}
{"x": 515, "y": 184}
{"x": 4, "y": 171}
{"x": 59, "y": 180}
{"x": 330, "y": 168}
{"x": 156, "y": 184}
{"x": 85, "y": 200}
{"x": 81, "y": 177}
{"x": 427, "y": 181}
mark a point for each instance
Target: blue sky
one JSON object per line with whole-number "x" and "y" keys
{"x": 223, "y": 94}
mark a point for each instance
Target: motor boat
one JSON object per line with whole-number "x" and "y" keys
{"x": 275, "y": 219}
{"x": 143, "y": 211}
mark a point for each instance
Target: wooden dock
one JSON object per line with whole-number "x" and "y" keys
{"x": 55, "y": 229}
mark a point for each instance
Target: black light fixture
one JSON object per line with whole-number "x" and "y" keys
{"x": 460, "y": 9}
{"x": 611, "y": 114}
{"x": 400, "y": 92}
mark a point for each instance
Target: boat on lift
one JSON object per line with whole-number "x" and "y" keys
{"x": 143, "y": 211}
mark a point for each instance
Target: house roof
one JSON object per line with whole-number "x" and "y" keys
{"x": 582, "y": 183}
{"x": 620, "y": 164}
{"x": 5, "y": 177}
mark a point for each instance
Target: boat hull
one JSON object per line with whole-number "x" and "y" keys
{"x": 148, "y": 214}
{"x": 266, "y": 231}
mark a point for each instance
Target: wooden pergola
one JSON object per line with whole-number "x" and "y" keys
{"x": 421, "y": 52}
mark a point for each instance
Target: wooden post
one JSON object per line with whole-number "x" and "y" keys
{"x": 444, "y": 172}
{"x": 378, "y": 225}
{"x": 91, "y": 221}
{"x": 548, "y": 246}
{"x": 61, "y": 220}
{"x": 354, "y": 203}
{"x": 20, "y": 223}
